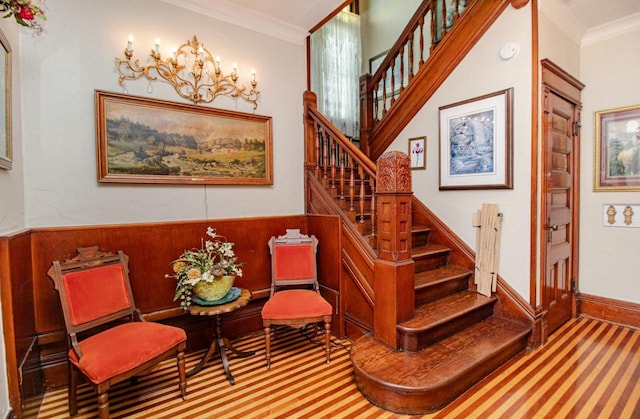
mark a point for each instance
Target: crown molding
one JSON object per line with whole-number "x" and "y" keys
{"x": 611, "y": 30}
{"x": 229, "y": 12}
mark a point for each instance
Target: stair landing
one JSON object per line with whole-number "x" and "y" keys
{"x": 424, "y": 381}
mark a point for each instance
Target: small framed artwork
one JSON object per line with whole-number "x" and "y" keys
{"x": 418, "y": 152}
{"x": 142, "y": 140}
{"x": 617, "y": 149}
{"x": 476, "y": 142}
{"x": 6, "y": 151}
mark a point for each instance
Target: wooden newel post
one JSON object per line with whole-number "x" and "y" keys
{"x": 394, "y": 270}
{"x": 310, "y": 135}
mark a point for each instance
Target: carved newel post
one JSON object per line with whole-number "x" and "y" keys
{"x": 394, "y": 269}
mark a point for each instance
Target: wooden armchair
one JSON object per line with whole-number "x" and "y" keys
{"x": 95, "y": 293}
{"x": 293, "y": 264}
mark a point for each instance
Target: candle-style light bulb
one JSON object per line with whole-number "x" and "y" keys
{"x": 130, "y": 43}
{"x": 235, "y": 69}
{"x": 253, "y": 74}
{"x": 201, "y": 53}
{"x": 157, "y": 46}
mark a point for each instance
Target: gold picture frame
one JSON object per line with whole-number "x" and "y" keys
{"x": 142, "y": 140}
{"x": 6, "y": 135}
{"x": 617, "y": 149}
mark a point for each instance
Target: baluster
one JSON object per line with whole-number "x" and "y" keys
{"x": 343, "y": 162}
{"x": 421, "y": 24}
{"x": 456, "y": 15}
{"x": 372, "y": 186}
{"x": 384, "y": 91}
{"x": 434, "y": 41}
{"x": 411, "y": 70}
{"x": 325, "y": 159}
{"x": 361, "y": 175}
{"x": 318, "y": 157}
{"x": 393, "y": 80}
{"x": 443, "y": 29}
{"x": 333, "y": 150}
{"x": 402, "y": 70}
{"x": 352, "y": 188}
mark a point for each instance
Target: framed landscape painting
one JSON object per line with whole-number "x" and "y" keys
{"x": 142, "y": 140}
{"x": 617, "y": 149}
{"x": 476, "y": 143}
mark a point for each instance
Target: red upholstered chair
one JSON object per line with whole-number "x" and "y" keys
{"x": 95, "y": 293}
{"x": 293, "y": 265}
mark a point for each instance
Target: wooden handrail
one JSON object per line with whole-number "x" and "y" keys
{"x": 388, "y": 82}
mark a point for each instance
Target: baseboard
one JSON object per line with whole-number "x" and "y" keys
{"x": 608, "y": 309}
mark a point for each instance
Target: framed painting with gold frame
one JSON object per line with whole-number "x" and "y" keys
{"x": 143, "y": 140}
{"x": 617, "y": 149}
{"x": 6, "y": 140}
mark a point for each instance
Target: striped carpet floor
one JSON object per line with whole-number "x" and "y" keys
{"x": 588, "y": 369}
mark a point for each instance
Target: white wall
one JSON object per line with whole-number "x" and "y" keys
{"x": 76, "y": 56}
{"x": 381, "y": 23}
{"x": 11, "y": 183}
{"x": 482, "y": 72}
{"x": 609, "y": 69}
{"x": 53, "y": 180}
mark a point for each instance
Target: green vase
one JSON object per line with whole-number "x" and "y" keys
{"x": 215, "y": 290}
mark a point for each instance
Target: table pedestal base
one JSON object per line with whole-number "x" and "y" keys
{"x": 220, "y": 344}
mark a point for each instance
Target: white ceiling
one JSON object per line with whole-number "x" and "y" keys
{"x": 291, "y": 20}
{"x": 594, "y": 13}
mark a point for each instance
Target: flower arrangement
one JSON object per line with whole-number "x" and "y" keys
{"x": 25, "y": 12}
{"x": 214, "y": 258}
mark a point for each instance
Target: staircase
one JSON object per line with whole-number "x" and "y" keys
{"x": 453, "y": 340}
{"x": 422, "y": 334}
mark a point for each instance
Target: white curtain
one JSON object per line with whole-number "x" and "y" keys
{"x": 335, "y": 70}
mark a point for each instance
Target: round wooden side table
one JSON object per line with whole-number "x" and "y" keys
{"x": 220, "y": 343}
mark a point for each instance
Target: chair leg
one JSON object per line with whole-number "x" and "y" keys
{"x": 182, "y": 375}
{"x": 73, "y": 390}
{"x": 267, "y": 345}
{"x": 327, "y": 340}
{"x": 103, "y": 405}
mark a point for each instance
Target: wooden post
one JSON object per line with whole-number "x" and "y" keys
{"x": 394, "y": 271}
{"x": 366, "y": 112}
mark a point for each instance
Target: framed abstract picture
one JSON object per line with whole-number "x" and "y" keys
{"x": 476, "y": 143}
{"x": 617, "y": 149}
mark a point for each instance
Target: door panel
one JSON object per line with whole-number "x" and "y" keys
{"x": 560, "y": 162}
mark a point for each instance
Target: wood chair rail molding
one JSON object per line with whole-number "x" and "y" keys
{"x": 30, "y": 304}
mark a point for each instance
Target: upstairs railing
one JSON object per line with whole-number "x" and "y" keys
{"x": 421, "y": 36}
{"x": 342, "y": 168}
{"x": 434, "y": 42}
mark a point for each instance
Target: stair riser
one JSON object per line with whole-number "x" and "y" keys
{"x": 444, "y": 289}
{"x": 413, "y": 342}
{"x": 433, "y": 261}
{"x": 420, "y": 238}
{"x": 421, "y": 401}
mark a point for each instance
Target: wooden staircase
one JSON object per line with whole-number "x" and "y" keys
{"x": 422, "y": 334}
{"x": 454, "y": 336}
{"x": 453, "y": 340}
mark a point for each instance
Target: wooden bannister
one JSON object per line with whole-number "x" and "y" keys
{"x": 417, "y": 64}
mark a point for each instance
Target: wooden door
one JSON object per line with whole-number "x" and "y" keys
{"x": 559, "y": 220}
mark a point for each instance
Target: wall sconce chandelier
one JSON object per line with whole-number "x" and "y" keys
{"x": 191, "y": 70}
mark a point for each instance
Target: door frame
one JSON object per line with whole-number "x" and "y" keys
{"x": 557, "y": 81}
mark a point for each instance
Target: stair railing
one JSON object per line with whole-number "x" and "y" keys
{"x": 410, "y": 52}
{"x": 342, "y": 168}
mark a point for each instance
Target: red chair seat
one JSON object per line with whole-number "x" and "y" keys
{"x": 291, "y": 304}
{"x": 103, "y": 354}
